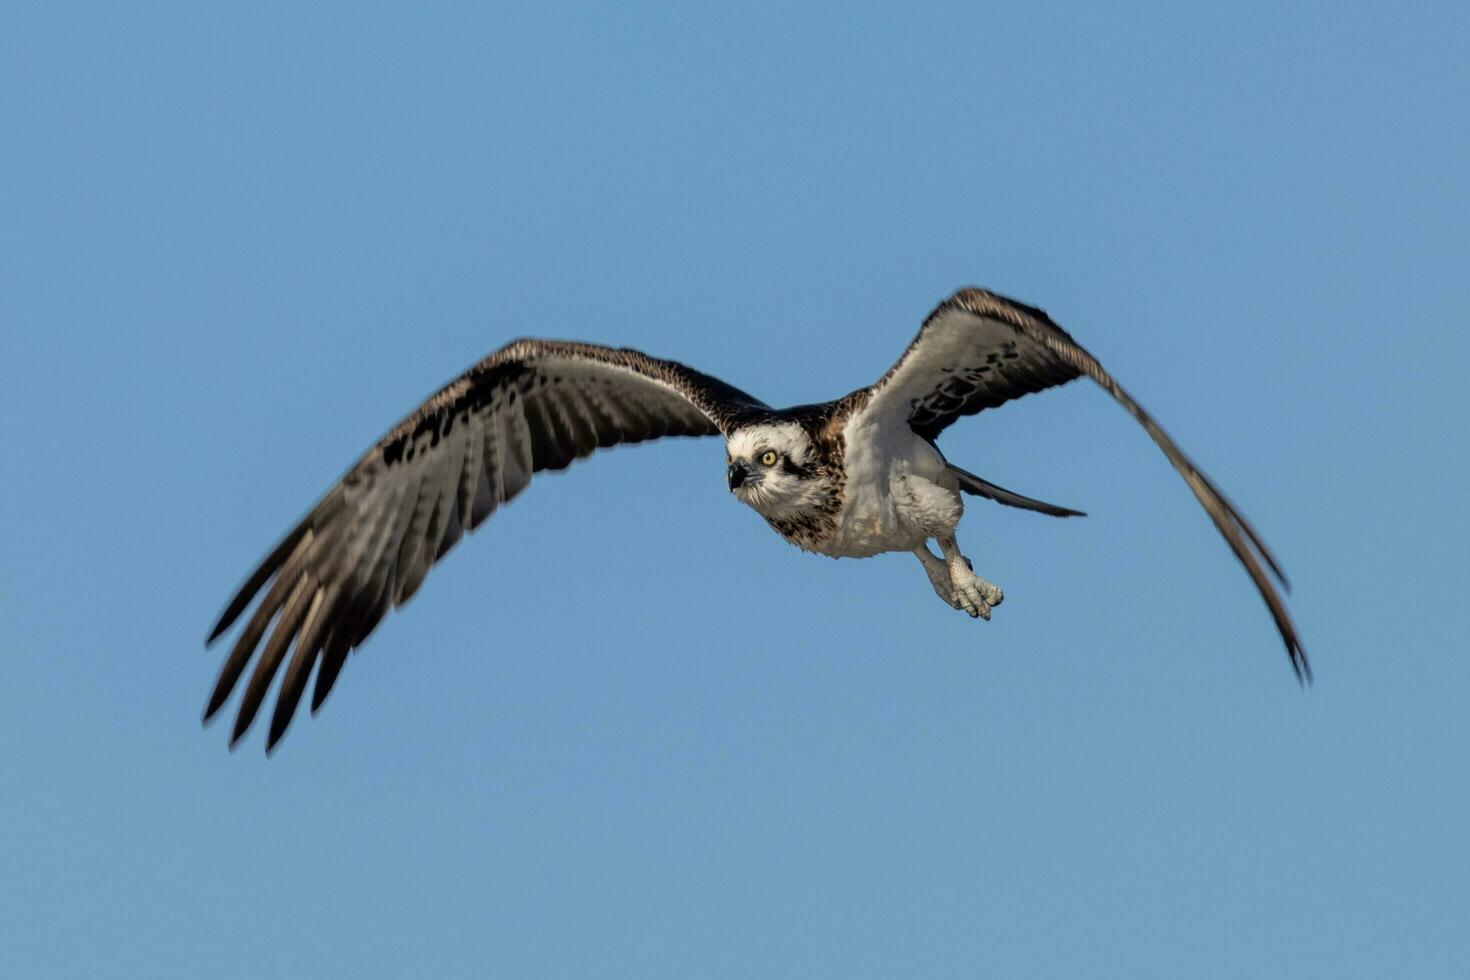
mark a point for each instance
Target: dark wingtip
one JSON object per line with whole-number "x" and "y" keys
{"x": 242, "y": 725}
{"x": 278, "y": 729}
{"x": 225, "y": 620}
{"x": 1264, "y": 552}
{"x": 326, "y": 676}
{"x": 217, "y": 700}
{"x": 234, "y": 609}
{"x": 263, "y": 572}
{"x": 1300, "y": 664}
{"x": 238, "y": 602}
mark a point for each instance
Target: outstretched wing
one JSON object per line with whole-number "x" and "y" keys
{"x": 368, "y": 543}
{"x": 978, "y": 350}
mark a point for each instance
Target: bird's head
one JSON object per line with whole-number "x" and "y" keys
{"x": 772, "y": 467}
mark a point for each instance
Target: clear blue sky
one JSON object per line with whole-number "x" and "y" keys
{"x": 625, "y": 730}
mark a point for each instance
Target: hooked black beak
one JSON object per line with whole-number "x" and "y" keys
{"x": 737, "y": 474}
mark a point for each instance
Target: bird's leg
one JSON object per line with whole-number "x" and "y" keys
{"x": 938, "y": 573}
{"x": 972, "y": 593}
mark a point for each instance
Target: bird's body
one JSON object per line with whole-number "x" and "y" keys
{"x": 851, "y": 478}
{"x": 900, "y": 492}
{"x": 881, "y": 488}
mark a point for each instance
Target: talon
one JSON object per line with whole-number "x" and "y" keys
{"x": 959, "y": 586}
{"x": 976, "y": 594}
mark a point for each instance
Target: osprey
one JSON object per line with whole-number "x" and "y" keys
{"x": 849, "y": 478}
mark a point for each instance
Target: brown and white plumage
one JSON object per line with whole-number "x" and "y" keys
{"x": 366, "y": 546}
{"x": 853, "y": 477}
{"x": 978, "y": 350}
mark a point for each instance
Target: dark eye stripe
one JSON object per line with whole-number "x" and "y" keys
{"x": 805, "y": 472}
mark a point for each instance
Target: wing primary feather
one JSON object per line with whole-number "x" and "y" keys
{"x": 333, "y": 657}
{"x": 604, "y": 428}
{"x": 1245, "y": 525}
{"x": 326, "y": 676}
{"x": 326, "y": 627}
{"x": 1224, "y": 520}
{"x": 1232, "y": 526}
{"x": 270, "y": 657}
{"x": 521, "y": 456}
{"x": 450, "y": 529}
{"x": 978, "y": 350}
{"x": 252, "y": 585}
{"x": 444, "y": 529}
{"x": 411, "y": 543}
{"x": 255, "y": 628}
{"x": 445, "y": 467}
{"x": 470, "y": 478}
{"x": 385, "y": 551}
{"x": 494, "y": 456}
{"x": 483, "y": 504}
{"x": 1181, "y": 461}
{"x": 497, "y": 452}
{"x": 633, "y": 421}
{"x": 658, "y": 422}
{"x": 316, "y": 638}
{"x": 550, "y": 436}
{"x": 265, "y": 570}
{"x": 609, "y": 431}
{"x": 333, "y": 646}
{"x": 414, "y": 561}
{"x": 297, "y": 671}
{"x": 582, "y": 434}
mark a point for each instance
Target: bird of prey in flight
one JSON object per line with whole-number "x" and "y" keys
{"x": 850, "y": 478}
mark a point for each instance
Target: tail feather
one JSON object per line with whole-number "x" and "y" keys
{"x": 972, "y": 484}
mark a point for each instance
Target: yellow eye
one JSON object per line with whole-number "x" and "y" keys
{"x": 768, "y": 458}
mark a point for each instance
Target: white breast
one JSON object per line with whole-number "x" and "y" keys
{"x": 896, "y": 494}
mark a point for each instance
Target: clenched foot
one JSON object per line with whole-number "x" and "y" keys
{"x": 955, "y": 581}
{"x": 972, "y": 593}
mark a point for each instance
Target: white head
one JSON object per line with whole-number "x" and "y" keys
{"x": 772, "y": 468}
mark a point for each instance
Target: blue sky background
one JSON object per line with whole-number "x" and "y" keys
{"x": 625, "y": 730}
